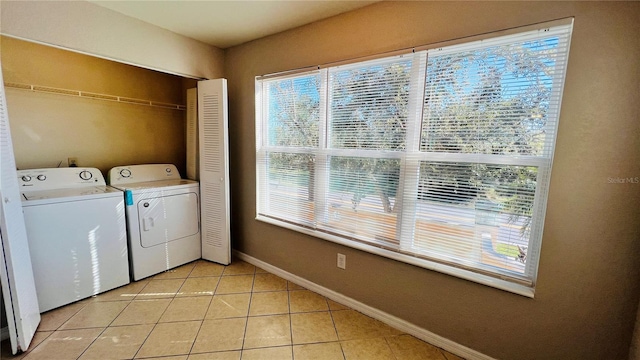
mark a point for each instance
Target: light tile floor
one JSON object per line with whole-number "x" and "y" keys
{"x": 203, "y": 310}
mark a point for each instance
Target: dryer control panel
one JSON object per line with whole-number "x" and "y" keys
{"x": 59, "y": 178}
{"x": 142, "y": 173}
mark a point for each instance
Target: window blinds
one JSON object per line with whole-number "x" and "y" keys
{"x": 368, "y": 104}
{"x": 440, "y": 158}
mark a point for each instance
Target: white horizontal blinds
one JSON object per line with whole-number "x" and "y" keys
{"x": 294, "y": 111}
{"x": 290, "y": 187}
{"x": 489, "y": 122}
{"x": 368, "y": 114}
{"x": 369, "y": 104}
{"x": 361, "y": 199}
{"x": 290, "y": 108}
{"x": 497, "y": 96}
{"x": 475, "y": 215}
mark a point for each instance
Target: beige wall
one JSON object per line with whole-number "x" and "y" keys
{"x": 49, "y": 128}
{"x": 634, "y": 351}
{"x": 588, "y": 289}
{"x": 88, "y": 28}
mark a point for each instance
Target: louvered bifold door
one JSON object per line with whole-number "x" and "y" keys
{"x": 18, "y": 285}
{"x": 214, "y": 170}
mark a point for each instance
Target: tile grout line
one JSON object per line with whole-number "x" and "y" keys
{"x": 69, "y": 318}
{"x": 290, "y": 318}
{"x": 157, "y": 321}
{"x": 66, "y": 321}
{"x": 336, "y": 329}
{"x": 152, "y": 328}
{"x": 390, "y": 348}
{"x": 205, "y": 312}
{"x": 246, "y": 322}
{"x": 61, "y": 325}
{"x": 101, "y": 332}
{"x": 114, "y": 319}
{"x": 26, "y": 353}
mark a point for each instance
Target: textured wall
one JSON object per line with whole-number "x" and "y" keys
{"x": 88, "y": 28}
{"x": 49, "y": 128}
{"x": 588, "y": 289}
{"x": 634, "y": 352}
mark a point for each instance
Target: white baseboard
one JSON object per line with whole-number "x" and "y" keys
{"x": 386, "y": 318}
{"x": 4, "y": 333}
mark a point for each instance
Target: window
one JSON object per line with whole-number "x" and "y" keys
{"x": 440, "y": 158}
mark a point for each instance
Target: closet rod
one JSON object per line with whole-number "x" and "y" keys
{"x": 95, "y": 96}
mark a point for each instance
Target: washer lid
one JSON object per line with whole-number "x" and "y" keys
{"x": 71, "y": 193}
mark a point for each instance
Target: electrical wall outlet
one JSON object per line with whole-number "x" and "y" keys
{"x": 342, "y": 261}
{"x": 72, "y": 161}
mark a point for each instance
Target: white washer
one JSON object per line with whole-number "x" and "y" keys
{"x": 163, "y": 217}
{"x": 76, "y": 232}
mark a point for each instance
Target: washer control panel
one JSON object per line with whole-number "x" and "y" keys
{"x": 59, "y": 178}
{"x": 142, "y": 173}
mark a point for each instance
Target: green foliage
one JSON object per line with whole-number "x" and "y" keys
{"x": 481, "y": 102}
{"x": 294, "y": 114}
{"x": 491, "y": 101}
{"x": 508, "y": 250}
{"x": 294, "y": 122}
{"x": 369, "y": 107}
{"x": 365, "y": 176}
{"x": 369, "y": 112}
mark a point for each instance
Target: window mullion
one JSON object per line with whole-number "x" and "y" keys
{"x": 409, "y": 172}
{"x": 322, "y": 161}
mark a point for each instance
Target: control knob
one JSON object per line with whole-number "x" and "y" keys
{"x": 125, "y": 173}
{"x": 85, "y": 175}
{"x": 42, "y": 177}
{"x": 26, "y": 178}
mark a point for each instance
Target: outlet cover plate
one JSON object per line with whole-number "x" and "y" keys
{"x": 342, "y": 261}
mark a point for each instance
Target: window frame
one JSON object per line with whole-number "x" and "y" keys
{"x": 411, "y": 159}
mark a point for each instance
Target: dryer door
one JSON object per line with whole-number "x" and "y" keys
{"x": 167, "y": 218}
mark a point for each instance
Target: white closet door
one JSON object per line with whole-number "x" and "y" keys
{"x": 214, "y": 170}
{"x": 16, "y": 275}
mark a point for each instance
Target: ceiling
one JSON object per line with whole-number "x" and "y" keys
{"x": 228, "y": 23}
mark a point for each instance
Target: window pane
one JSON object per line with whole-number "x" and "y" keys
{"x": 293, "y": 111}
{"x": 369, "y": 105}
{"x": 494, "y": 100}
{"x": 290, "y": 181}
{"x": 362, "y": 198}
{"x": 475, "y": 214}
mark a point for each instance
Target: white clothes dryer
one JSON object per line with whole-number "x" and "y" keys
{"x": 163, "y": 217}
{"x": 76, "y": 232}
